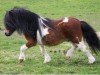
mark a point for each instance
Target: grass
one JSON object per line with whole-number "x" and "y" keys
{"x": 9, "y": 47}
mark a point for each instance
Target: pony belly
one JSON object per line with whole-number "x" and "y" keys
{"x": 52, "y": 40}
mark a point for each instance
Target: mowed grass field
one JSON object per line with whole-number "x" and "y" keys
{"x": 87, "y": 10}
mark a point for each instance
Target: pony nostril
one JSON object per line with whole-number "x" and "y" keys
{"x": 7, "y": 34}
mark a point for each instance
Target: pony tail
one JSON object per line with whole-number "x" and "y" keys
{"x": 90, "y": 36}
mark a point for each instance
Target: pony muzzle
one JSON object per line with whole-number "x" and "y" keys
{"x": 7, "y": 33}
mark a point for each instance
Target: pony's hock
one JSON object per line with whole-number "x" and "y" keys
{"x": 45, "y": 31}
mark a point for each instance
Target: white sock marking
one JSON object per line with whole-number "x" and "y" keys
{"x": 47, "y": 58}
{"x": 82, "y": 47}
{"x": 45, "y": 31}
{"x": 70, "y": 51}
{"x": 22, "y": 49}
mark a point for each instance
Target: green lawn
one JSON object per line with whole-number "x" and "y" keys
{"x": 88, "y": 10}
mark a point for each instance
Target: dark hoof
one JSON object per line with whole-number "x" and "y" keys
{"x": 21, "y": 60}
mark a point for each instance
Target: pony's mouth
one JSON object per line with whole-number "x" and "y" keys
{"x": 7, "y": 33}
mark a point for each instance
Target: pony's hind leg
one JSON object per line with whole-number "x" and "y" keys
{"x": 47, "y": 58}
{"x": 83, "y": 48}
{"x": 71, "y": 50}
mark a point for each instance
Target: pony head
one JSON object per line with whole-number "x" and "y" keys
{"x": 24, "y": 22}
{"x": 9, "y": 23}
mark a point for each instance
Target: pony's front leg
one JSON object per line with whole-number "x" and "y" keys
{"x": 31, "y": 42}
{"x": 71, "y": 50}
{"x": 47, "y": 58}
{"x": 22, "y": 55}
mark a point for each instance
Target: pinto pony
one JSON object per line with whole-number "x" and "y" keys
{"x": 44, "y": 31}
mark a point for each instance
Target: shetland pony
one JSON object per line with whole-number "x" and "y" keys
{"x": 45, "y": 31}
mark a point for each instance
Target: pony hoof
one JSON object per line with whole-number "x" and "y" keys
{"x": 47, "y": 61}
{"x": 91, "y": 61}
{"x": 68, "y": 56}
{"x": 21, "y": 60}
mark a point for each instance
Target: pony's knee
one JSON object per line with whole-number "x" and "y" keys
{"x": 30, "y": 44}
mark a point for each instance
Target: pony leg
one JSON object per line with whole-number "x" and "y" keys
{"x": 83, "y": 48}
{"x": 47, "y": 58}
{"x": 31, "y": 42}
{"x": 70, "y": 51}
{"x": 22, "y": 50}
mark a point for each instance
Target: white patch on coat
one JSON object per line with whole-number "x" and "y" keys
{"x": 65, "y": 19}
{"x": 43, "y": 18}
{"x": 39, "y": 38}
{"x": 45, "y": 31}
